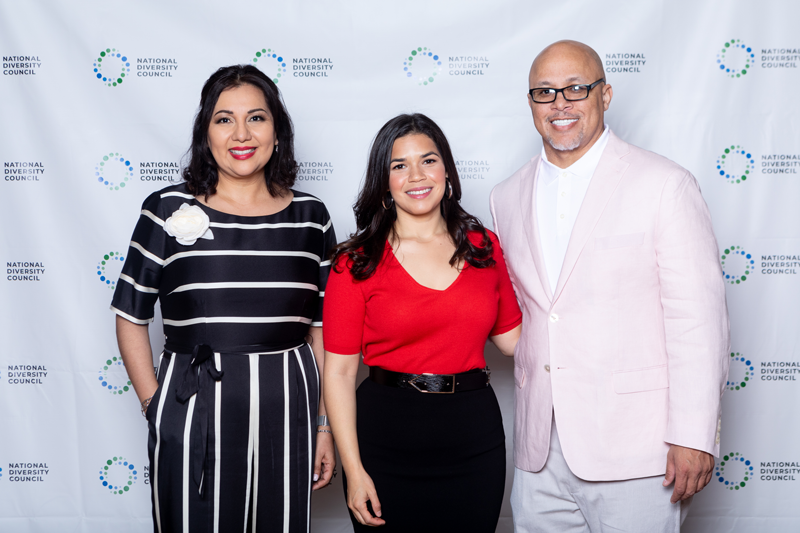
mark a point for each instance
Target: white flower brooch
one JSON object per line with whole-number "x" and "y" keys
{"x": 188, "y": 224}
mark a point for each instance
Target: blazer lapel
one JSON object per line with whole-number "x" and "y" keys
{"x": 527, "y": 200}
{"x": 602, "y": 186}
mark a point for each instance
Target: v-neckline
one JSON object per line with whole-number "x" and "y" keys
{"x": 399, "y": 264}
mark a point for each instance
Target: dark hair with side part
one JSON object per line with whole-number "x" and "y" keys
{"x": 374, "y": 224}
{"x": 200, "y": 172}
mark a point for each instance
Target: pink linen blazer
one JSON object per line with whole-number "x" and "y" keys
{"x": 631, "y": 352}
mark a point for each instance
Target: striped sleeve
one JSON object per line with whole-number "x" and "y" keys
{"x": 328, "y": 242}
{"x": 137, "y": 290}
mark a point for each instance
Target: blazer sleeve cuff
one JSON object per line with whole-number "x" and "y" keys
{"x": 706, "y": 439}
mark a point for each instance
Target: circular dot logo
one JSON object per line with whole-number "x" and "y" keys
{"x": 107, "y": 261}
{"x": 735, "y": 58}
{"x": 113, "y": 166}
{"x": 111, "y": 67}
{"x": 115, "y": 384}
{"x": 263, "y": 58}
{"x": 729, "y": 462}
{"x": 114, "y": 473}
{"x": 739, "y": 383}
{"x": 424, "y": 63}
{"x": 733, "y": 257}
{"x": 735, "y": 164}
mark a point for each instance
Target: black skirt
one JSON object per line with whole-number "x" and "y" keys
{"x": 438, "y": 461}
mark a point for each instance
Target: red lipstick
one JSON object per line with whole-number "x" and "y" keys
{"x": 242, "y": 152}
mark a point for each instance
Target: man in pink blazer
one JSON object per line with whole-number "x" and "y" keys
{"x": 624, "y": 350}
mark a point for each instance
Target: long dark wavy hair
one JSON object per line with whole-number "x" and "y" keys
{"x": 365, "y": 248}
{"x": 200, "y": 170}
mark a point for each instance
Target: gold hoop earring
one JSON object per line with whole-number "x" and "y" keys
{"x": 449, "y": 189}
{"x": 383, "y": 202}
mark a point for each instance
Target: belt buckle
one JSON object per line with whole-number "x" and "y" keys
{"x": 413, "y": 383}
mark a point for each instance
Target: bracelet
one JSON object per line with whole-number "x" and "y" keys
{"x": 145, "y": 405}
{"x": 325, "y": 431}
{"x": 322, "y": 420}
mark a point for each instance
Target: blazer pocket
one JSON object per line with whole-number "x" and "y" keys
{"x": 519, "y": 376}
{"x": 618, "y": 241}
{"x": 641, "y": 379}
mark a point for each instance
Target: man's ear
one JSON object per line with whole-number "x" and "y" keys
{"x": 608, "y": 93}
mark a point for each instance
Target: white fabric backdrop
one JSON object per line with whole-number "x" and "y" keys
{"x": 65, "y": 412}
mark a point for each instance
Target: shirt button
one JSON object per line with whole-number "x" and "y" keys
{"x": 564, "y": 193}
{"x": 554, "y": 318}
{"x": 561, "y": 215}
{"x": 547, "y": 368}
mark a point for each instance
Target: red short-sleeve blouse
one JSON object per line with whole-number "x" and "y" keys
{"x": 400, "y": 325}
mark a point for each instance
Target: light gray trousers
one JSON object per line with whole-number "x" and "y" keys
{"x": 554, "y": 500}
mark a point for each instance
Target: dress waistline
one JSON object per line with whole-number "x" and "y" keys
{"x": 245, "y": 349}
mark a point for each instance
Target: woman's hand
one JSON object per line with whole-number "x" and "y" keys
{"x": 360, "y": 490}
{"x": 324, "y": 461}
{"x": 340, "y": 400}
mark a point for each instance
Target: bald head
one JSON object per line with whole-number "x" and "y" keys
{"x": 573, "y": 121}
{"x": 563, "y": 51}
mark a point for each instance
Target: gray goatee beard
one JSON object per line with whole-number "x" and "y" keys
{"x": 565, "y": 147}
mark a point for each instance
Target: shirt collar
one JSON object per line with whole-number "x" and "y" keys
{"x": 583, "y": 168}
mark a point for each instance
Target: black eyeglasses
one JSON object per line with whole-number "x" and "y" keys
{"x": 573, "y": 93}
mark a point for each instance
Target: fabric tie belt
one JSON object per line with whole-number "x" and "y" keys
{"x": 199, "y": 379}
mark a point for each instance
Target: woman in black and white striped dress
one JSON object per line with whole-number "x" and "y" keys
{"x": 238, "y": 262}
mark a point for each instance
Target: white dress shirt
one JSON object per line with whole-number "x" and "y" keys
{"x": 559, "y": 195}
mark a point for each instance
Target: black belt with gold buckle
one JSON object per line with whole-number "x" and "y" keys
{"x": 475, "y": 379}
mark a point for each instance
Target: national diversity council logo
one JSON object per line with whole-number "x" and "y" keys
{"x": 106, "y": 261}
{"x": 117, "y": 469}
{"x": 111, "y": 67}
{"x": 113, "y": 165}
{"x": 735, "y": 252}
{"x": 730, "y": 460}
{"x": 730, "y": 61}
{"x": 737, "y": 156}
{"x": 738, "y": 359}
{"x": 266, "y": 54}
{"x": 425, "y": 63}
{"x": 106, "y": 381}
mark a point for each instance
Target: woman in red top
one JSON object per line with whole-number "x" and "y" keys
{"x": 417, "y": 290}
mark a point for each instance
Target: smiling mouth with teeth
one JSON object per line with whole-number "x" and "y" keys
{"x": 420, "y": 192}
{"x": 563, "y": 121}
{"x": 242, "y": 152}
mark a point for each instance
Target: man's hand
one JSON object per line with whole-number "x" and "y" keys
{"x": 690, "y": 469}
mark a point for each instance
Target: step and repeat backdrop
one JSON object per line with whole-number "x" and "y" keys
{"x": 97, "y": 100}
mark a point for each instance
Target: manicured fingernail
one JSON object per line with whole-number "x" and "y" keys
{"x": 316, "y": 477}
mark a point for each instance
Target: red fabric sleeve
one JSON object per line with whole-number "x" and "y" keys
{"x": 508, "y": 314}
{"x": 344, "y": 310}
